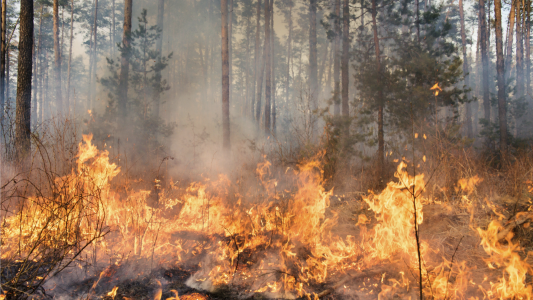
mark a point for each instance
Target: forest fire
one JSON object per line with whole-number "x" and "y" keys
{"x": 266, "y": 149}
{"x": 282, "y": 238}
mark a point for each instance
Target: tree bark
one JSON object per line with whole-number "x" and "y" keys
{"x": 95, "y": 53}
{"x": 89, "y": 92}
{"x": 528, "y": 48}
{"x": 125, "y": 63}
{"x": 484, "y": 60}
{"x": 345, "y": 58}
{"x": 381, "y": 141}
{"x": 268, "y": 69}
{"x": 519, "y": 52}
{"x": 257, "y": 66}
{"x": 417, "y": 19}
{"x": 230, "y": 47}
{"x": 23, "y": 109}
{"x": 3, "y": 62}
{"x": 159, "y": 49}
{"x": 289, "y": 54}
{"x": 313, "y": 64}
{"x": 273, "y": 66}
{"x": 57, "y": 61}
{"x": 247, "y": 100}
{"x": 509, "y": 48}
{"x": 502, "y": 114}
{"x": 70, "y": 57}
{"x": 468, "y": 119}
{"x": 337, "y": 58}
{"x": 113, "y": 32}
{"x": 225, "y": 76}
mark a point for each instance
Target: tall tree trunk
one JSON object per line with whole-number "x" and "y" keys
{"x": 345, "y": 57}
{"x": 273, "y": 66}
{"x": 502, "y": 114}
{"x": 248, "y": 66}
{"x": 95, "y": 52}
{"x": 337, "y": 58}
{"x": 113, "y": 32}
{"x": 268, "y": 68}
{"x": 519, "y": 53}
{"x": 159, "y": 49}
{"x": 381, "y": 141}
{"x": 70, "y": 57}
{"x": 484, "y": 60}
{"x": 3, "y": 62}
{"x": 230, "y": 47}
{"x": 225, "y": 76}
{"x": 509, "y": 48}
{"x": 289, "y": 54}
{"x": 468, "y": 118}
{"x": 257, "y": 66}
{"x": 44, "y": 85}
{"x": 528, "y": 49}
{"x": 313, "y": 64}
{"x": 417, "y": 19}
{"x": 57, "y": 61}
{"x": 91, "y": 57}
{"x": 125, "y": 63}
{"x": 23, "y": 110}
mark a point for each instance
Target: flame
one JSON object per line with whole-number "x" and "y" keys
{"x": 279, "y": 235}
{"x": 113, "y": 292}
{"x": 512, "y": 284}
{"x": 436, "y": 88}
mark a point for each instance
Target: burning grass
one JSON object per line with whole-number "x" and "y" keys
{"x": 274, "y": 235}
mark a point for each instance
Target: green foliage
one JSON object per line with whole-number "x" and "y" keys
{"x": 410, "y": 67}
{"x": 145, "y": 87}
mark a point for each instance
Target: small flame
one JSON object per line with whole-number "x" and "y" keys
{"x": 113, "y": 292}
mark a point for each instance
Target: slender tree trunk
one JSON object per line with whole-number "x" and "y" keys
{"x": 62, "y": 45}
{"x": 248, "y": 66}
{"x": 289, "y": 54}
{"x": 23, "y": 110}
{"x": 3, "y": 63}
{"x": 125, "y": 63}
{"x": 313, "y": 64}
{"x": 230, "y": 48}
{"x": 381, "y": 141}
{"x": 484, "y": 60}
{"x": 509, "y": 50}
{"x": 34, "y": 79}
{"x": 257, "y": 61}
{"x": 113, "y": 28}
{"x": 268, "y": 69}
{"x": 468, "y": 118}
{"x": 345, "y": 57}
{"x": 273, "y": 66}
{"x": 44, "y": 85}
{"x": 225, "y": 76}
{"x": 8, "y": 48}
{"x": 70, "y": 56}
{"x": 502, "y": 114}
{"x": 528, "y": 49}
{"x": 159, "y": 49}
{"x": 91, "y": 56}
{"x": 417, "y": 20}
{"x": 519, "y": 53}
{"x": 337, "y": 58}
{"x": 57, "y": 61}
{"x": 95, "y": 52}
